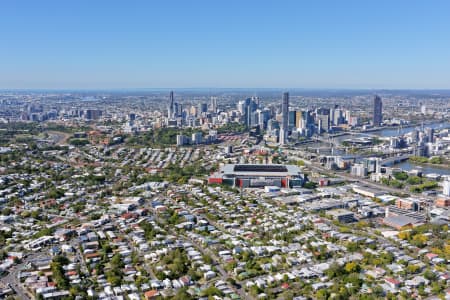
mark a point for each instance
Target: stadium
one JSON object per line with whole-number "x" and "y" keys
{"x": 255, "y": 175}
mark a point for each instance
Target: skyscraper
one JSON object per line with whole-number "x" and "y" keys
{"x": 430, "y": 134}
{"x": 292, "y": 119}
{"x": 323, "y": 120}
{"x": 248, "y": 108}
{"x": 214, "y": 104}
{"x": 377, "y": 111}
{"x": 202, "y": 107}
{"x": 171, "y": 108}
{"x": 285, "y": 118}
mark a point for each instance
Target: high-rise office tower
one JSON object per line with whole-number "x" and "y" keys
{"x": 415, "y": 136}
{"x": 175, "y": 110}
{"x": 324, "y": 122}
{"x": 202, "y": 107}
{"x": 304, "y": 119}
{"x": 214, "y": 104}
{"x": 193, "y": 111}
{"x": 263, "y": 118}
{"x": 247, "y": 108}
{"x": 285, "y": 118}
{"x": 171, "y": 108}
{"x": 292, "y": 119}
{"x": 377, "y": 111}
{"x": 92, "y": 114}
{"x": 338, "y": 117}
{"x": 323, "y": 119}
{"x": 430, "y": 134}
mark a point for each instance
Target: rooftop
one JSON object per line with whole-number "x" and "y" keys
{"x": 260, "y": 169}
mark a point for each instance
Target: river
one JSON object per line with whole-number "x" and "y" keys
{"x": 388, "y": 132}
{"x": 426, "y": 169}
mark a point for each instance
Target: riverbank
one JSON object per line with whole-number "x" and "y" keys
{"x": 433, "y": 123}
{"x": 425, "y": 168}
{"x": 445, "y": 166}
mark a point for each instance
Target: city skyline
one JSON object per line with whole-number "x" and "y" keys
{"x": 244, "y": 150}
{"x": 103, "y": 45}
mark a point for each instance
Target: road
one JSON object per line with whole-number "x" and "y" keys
{"x": 12, "y": 278}
{"x": 58, "y": 137}
{"x": 369, "y": 183}
{"x": 13, "y": 282}
{"x": 215, "y": 260}
{"x": 224, "y": 274}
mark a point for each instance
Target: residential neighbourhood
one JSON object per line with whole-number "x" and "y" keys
{"x": 132, "y": 222}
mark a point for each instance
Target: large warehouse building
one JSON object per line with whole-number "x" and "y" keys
{"x": 248, "y": 175}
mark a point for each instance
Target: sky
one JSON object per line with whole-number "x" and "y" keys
{"x": 86, "y": 44}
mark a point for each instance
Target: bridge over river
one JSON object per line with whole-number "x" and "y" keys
{"x": 395, "y": 159}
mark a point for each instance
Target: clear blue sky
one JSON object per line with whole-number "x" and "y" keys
{"x": 232, "y": 43}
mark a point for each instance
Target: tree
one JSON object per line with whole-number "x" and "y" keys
{"x": 436, "y": 160}
{"x": 113, "y": 278}
{"x": 211, "y": 291}
{"x": 6, "y": 211}
{"x": 354, "y": 279}
{"x": 60, "y": 259}
{"x": 78, "y": 142}
{"x": 116, "y": 261}
{"x": 412, "y": 180}
{"x": 76, "y": 290}
{"x": 404, "y": 235}
{"x": 322, "y": 294}
{"x": 430, "y": 275}
{"x": 106, "y": 247}
{"x": 334, "y": 270}
{"x": 310, "y": 185}
{"x": 351, "y": 267}
{"x": 58, "y": 274}
{"x": 400, "y": 176}
{"x": 182, "y": 295}
{"x": 419, "y": 240}
{"x": 44, "y": 232}
{"x": 254, "y": 290}
{"x": 412, "y": 269}
{"x": 437, "y": 287}
{"x": 36, "y": 214}
{"x": 352, "y": 246}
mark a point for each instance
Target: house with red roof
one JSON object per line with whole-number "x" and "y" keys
{"x": 392, "y": 282}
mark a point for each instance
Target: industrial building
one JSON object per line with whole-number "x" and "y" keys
{"x": 400, "y": 218}
{"x": 368, "y": 192}
{"x": 256, "y": 175}
{"x": 341, "y": 215}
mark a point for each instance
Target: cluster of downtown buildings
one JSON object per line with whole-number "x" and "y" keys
{"x": 282, "y": 124}
{"x": 279, "y": 122}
